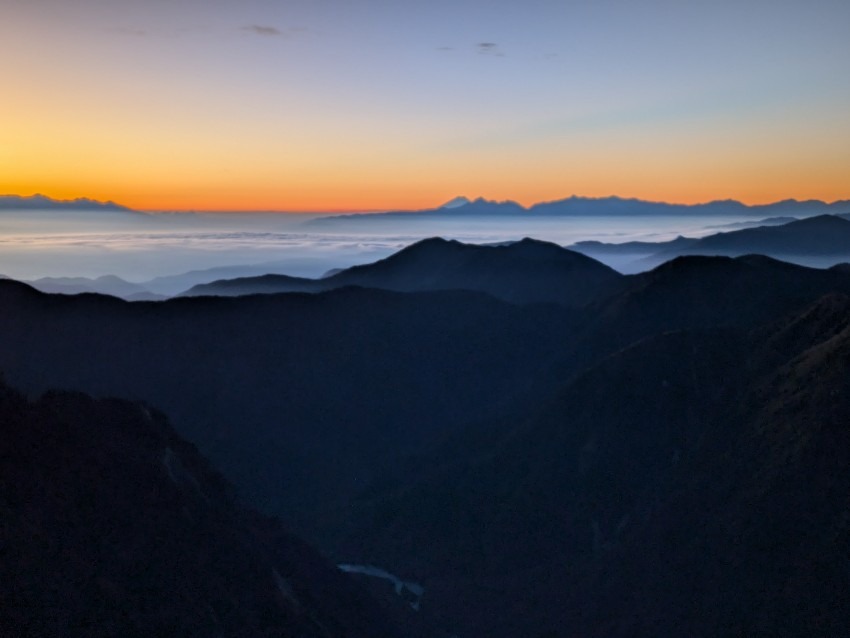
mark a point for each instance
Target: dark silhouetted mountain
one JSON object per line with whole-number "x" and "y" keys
{"x": 609, "y": 470}
{"x": 843, "y": 267}
{"x": 820, "y": 235}
{"x": 823, "y": 237}
{"x": 695, "y": 292}
{"x": 112, "y": 525}
{"x": 643, "y": 248}
{"x": 526, "y": 271}
{"x": 260, "y": 285}
{"x": 759, "y": 514}
{"x": 300, "y": 399}
{"x": 694, "y": 483}
{"x": 170, "y": 285}
{"x": 40, "y": 202}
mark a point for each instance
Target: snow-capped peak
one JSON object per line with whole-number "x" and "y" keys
{"x": 457, "y": 202}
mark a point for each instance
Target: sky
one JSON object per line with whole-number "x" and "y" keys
{"x": 329, "y": 105}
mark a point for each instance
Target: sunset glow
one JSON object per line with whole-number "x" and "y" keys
{"x": 370, "y": 105}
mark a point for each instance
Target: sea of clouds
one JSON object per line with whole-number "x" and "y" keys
{"x": 139, "y": 247}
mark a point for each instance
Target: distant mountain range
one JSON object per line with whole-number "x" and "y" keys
{"x": 667, "y": 456}
{"x": 170, "y": 285}
{"x": 531, "y": 270}
{"x": 602, "y": 206}
{"x": 150, "y": 290}
{"x": 44, "y": 203}
{"x": 105, "y": 285}
{"x": 524, "y": 271}
{"x": 463, "y": 206}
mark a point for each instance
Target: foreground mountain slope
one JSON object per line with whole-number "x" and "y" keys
{"x": 694, "y": 483}
{"x": 299, "y": 399}
{"x": 113, "y": 525}
{"x": 754, "y": 538}
{"x": 507, "y": 536}
{"x": 526, "y": 271}
{"x": 516, "y": 460}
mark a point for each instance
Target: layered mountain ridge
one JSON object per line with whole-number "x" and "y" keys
{"x": 821, "y": 239}
{"x": 666, "y": 457}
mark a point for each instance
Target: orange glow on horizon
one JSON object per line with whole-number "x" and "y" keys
{"x": 378, "y": 203}
{"x": 193, "y": 160}
{"x": 106, "y": 157}
{"x": 169, "y": 115}
{"x": 385, "y": 203}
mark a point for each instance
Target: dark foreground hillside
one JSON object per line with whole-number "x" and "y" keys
{"x": 112, "y": 525}
{"x": 668, "y": 460}
{"x": 299, "y": 399}
{"x": 693, "y": 484}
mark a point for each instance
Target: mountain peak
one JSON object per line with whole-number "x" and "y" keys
{"x": 495, "y": 202}
{"x": 822, "y": 221}
{"x": 432, "y": 242}
{"x": 457, "y": 202}
{"x": 531, "y": 246}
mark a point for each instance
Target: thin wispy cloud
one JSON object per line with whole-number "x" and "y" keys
{"x": 489, "y": 48}
{"x": 263, "y": 30}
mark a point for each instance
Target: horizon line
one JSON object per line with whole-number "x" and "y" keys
{"x": 360, "y": 211}
{"x": 367, "y": 211}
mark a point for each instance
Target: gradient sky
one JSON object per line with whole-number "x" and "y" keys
{"x": 386, "y": 104}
